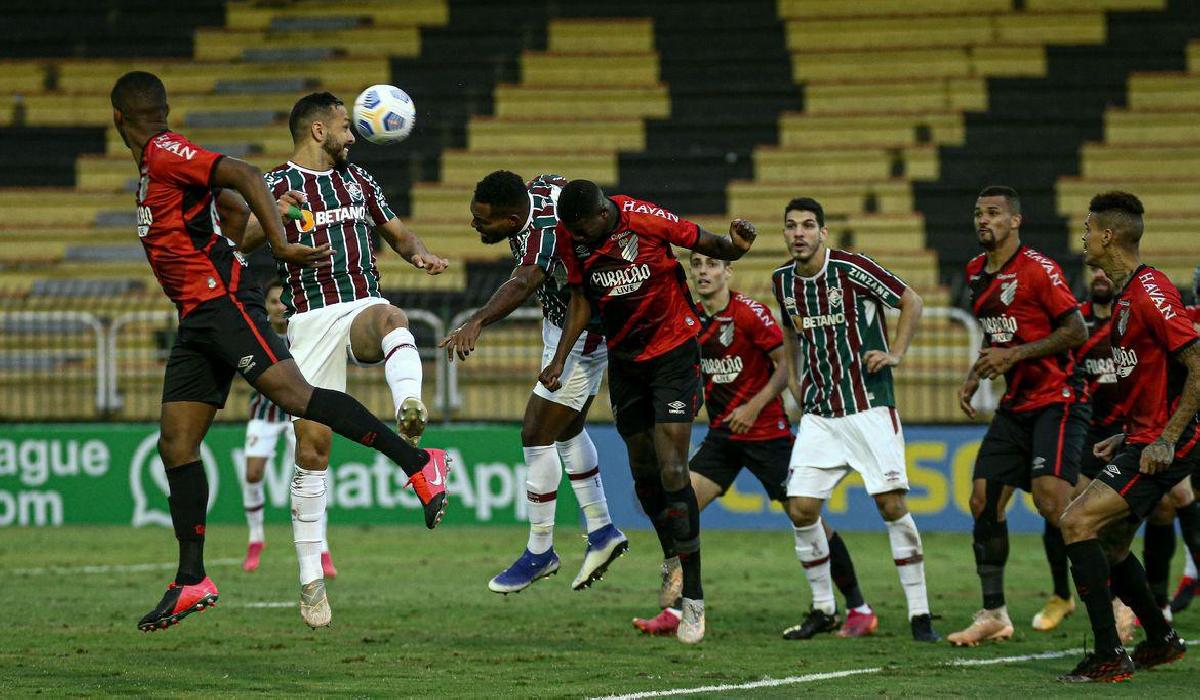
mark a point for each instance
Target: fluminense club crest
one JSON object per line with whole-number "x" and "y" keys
{"x": 835, "y": 296}
{"x": 1008, "y": 291}
{"x": 355, "y": 191}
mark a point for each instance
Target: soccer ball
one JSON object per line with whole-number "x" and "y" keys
{"x": 384, "y": 114}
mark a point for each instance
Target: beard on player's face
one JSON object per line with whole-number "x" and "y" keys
{"x": 338, "y": 152}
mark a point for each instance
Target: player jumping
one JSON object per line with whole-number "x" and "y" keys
{"x": 836, "y": 343}
{"x": 617, "y": 252}
{"x": 223, "y": 328}
{"x": 504, "y": 207}
{"x": 1158, "y": 382}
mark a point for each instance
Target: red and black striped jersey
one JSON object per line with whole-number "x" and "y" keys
{"x": 735, "y": 357}
{"x": 634, "y": 280}
{"x": 1094, "y": 363}
{"x": 178, "y": 224}
{"x": 1150, "y": 326}
{"x": 1020, "y": 303}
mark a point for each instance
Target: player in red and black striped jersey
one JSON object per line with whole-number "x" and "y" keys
{"x": 1158, "y": 381}
{"x": 223, "y": 328}
{"x": 1031, "y": 323}
{"x": 617, "y": 251}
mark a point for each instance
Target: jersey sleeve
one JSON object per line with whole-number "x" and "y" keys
{"x": 277, "y": 182}
{"x": 1055, "y": 297}
{"x": 1170, "y": 324}
{"x": 540, "y": 247}
{"x": 761, "y": 327}
{"x": 377, "y": 206}
{"x": 875, "y": 279}
{"x": 563, "y": 244}
{"x": 184, "y": 164}
{"x": 777, "y": 289}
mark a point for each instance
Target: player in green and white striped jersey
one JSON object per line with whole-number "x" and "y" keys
{"x": 336, "y": 313}
{"x": 832, "y": 306}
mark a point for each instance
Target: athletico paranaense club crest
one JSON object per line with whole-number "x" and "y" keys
{"x": 628, "y": 243}
{"x": 1008, "y": 292}
{"x": 1123, "y": 320}
{"x": 726, "y": 335}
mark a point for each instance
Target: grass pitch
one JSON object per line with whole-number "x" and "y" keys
{"x": 413, "y": 617}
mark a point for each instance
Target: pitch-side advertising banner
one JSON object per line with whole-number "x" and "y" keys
{"x": 54, "y": 474}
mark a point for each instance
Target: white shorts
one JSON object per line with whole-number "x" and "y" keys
{"x": 826, "y": 449}
{"x": 320, "y": 341}
{"x": 261, "y": 437}
{"x": 582, "y": 373}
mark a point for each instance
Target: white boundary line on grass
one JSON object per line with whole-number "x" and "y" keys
{"x": 811, "y": 677}
{"x": 113, "y": 568}
{"x": 263, "y": 604}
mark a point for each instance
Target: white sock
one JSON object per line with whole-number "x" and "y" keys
{"x": 582, "y": 464}
{"x": 401, "y": 365}
{"x": 541, "y": 490}
{"x": 308, "y": 505}
{"x": 253, "y": 501}
{"x": 812, "y": 549}
{"x": 910, "y": 563}
{"x": 1189, "y": 565}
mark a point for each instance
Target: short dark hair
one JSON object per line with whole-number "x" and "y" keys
{"x": 502, "y": 189}
{"x": 307, "y": 108}
{"x": 1009, "y": 194}
{"x": 806, "y": 204}
{"x": 1121, "y": 212}
{"x": 579, "y": 198}
{"x": 139, "y": 96}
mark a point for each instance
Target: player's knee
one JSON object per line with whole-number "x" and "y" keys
{"x": 1076, "y": 526}
{"x": 1050, "y": 506}
{"x": 313, "y": 454}
{"x": 535, "y": 436}
{"x": 391, "y": 320}
{"x": 1163, "y": 513}
{"x": 978, "y": 501}
{"x": 892, "y": 506}
{"x": 175, "y": 449}
{"x": 801, "y": 513}
{"x": 674, "y": 476}
{"x": 254, "y": 472}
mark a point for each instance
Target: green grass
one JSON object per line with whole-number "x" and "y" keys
{"x": 413, "y": 617}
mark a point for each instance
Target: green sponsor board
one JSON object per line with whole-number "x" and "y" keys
{"x": 54, "y": 474}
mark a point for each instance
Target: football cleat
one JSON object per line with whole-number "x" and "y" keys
{"x": 1187, "y": 590}
{"x": 1125, "y": 619}
{"x": 859, "y": 624}
{"x": 672, "y": 582}
{"x": 411, "y": 419}
{"x": 327, "y": 566}
{"x": 527, "y": 569}
{"x": 988, "y": 625}
{"x": 691, "y": 622}
{"x": 430, "y": 485}
{"x": 817, "y": 622}
{"x": 922, "y": 629}
{"x": 662, "y": 625}
{"x": 314, "y": 604}
{"x": 1148, "y": 654}
{"x": 179, "y": 602}
{"x": 1114, "y": 667}
{"x": 604, "y": 545}
{"x": 1053, "y": 613}
{"x": 253, "y": 554}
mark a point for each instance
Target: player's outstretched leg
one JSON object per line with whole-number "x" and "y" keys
{"x": 308, "y": 510}
{"x": 990, "y": 536}
{"x": 1061, "y": 603}
{"x": 539, "y": 560}
{"x": 605, "y": 543}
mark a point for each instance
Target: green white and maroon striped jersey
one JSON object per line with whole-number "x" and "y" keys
{"x": 343, "y": 207}
{"x": 837, "y": 317}
{"x": 535, "y": 245}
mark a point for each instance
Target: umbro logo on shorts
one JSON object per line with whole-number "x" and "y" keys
{"x": 246, "y": 363}
{"x": 676, "y": 407}
{"x": 1112, "y": 469}
{"x": 1039, "y": 463}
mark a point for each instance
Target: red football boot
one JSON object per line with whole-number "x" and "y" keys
{"x": 663, "y": 625}
{"x": 179, "y": 602}
{"x": 859, "y": 624}
{"x": 327, "y": 566}
{"x": 253, "y": 554}
{"x": 430, "y": 485}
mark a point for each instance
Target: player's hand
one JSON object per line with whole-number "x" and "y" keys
{"x": 461, "y": 340}
{"x": 430, "y": 263}
{"x": 994, "y": 362}
{"x": 305, "y": 256}
{"x": 550, "y": 376}
{"x": 742, "y": 233}
{"x": 289, "y": 199}
{"x": 1157, "y": 456}
{"x": 878, "y": 359}
{"x": 965, "y": 393}
{"x": 742, "y": 418}
{"x": 1106, "y": 448}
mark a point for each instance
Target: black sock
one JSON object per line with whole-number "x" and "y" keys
{"x": 1089, "y": 568}
{"x": 350, "y": 419}
{"x": 1128, "y": 580}
{"x": 1189, "y": 527}
{"x": 189, "y": 506}
{"x": 683, "y": 516}
{"x": 841, "y": 567}
{"x": 991, "y": 554}
{"x": 1056, "y": 555}
{"x": 654, "y": 504}
{"x": 1158, "y": 549}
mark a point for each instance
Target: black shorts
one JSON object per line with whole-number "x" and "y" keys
{"x": 663, "y": 389}
{"x": 1144, "y": 491}
{"x": 1089, "y": 464}
{"x": 1020, "y": 447}
{"x": 218, "y": 338}
{"x": 720, "y": 458}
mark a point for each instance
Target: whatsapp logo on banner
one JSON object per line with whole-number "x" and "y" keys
{"x": 148, "y": 482}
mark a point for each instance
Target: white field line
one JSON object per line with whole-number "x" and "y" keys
{"x": 263, "y": 604}
{"x": 113, "y": 568}
{"x": 811, "y": 677}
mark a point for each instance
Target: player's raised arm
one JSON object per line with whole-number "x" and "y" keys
{"x": 248, "y": 181}
{"x": 579, "y": 312}
{"x": 507, "y": 298}
{"x": 242, "y": 227}
{"x": 409, "y": 246}
{"x": 741, "y": 236}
